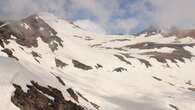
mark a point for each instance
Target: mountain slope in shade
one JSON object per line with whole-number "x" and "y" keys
{"x": 56, "y": 65}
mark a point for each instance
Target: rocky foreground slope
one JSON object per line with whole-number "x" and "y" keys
{"x": 48, "y": 63}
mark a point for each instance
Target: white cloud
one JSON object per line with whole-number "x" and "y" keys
{"x": 166, "y": 13}
{"x": 15, "y": 9}
{"x": 101, "y": 9}
{"x": 175, "y": 12}
{"x": 125, "y": 24}
{"x": 90, "y": 26}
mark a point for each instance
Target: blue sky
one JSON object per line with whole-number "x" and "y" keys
{"x": 110, "y": 16}
{"x": 117, "y": 11}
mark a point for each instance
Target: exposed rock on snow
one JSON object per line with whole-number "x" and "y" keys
{"x": 9, "y": 53}
{"x": 120, "y": 69}
{"x": 28, "y": 38}
{"x": 80, "y": 65}
{"x": 60, "y": 63}
{"x": 36, "y": 98}
{"x": 56, "y": 59}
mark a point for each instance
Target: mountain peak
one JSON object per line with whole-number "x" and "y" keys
{"x": 56, "y": 64}
{"x": 181, "y": 33}
{"x": 173, "y": 31}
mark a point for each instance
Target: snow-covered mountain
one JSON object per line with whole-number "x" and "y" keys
{"x": 48, "y": 63}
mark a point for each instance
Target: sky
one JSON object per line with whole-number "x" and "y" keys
{"x": 108, "y": 16}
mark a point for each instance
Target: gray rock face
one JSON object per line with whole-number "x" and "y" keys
{"x": 59, "y": 63}
{"x": 9, "y": 53}
{"x": 28, "y": 30}
{"x": 120, "y": 69}
{"x": 121, "y": 58}
{"x": 35, "y": 98}
{"x": 179, "y": 54}
{"x": 173, "y": 31}
{"x": 80, "y": 65}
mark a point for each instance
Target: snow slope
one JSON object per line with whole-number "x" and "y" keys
{"x": 116, "y": 72}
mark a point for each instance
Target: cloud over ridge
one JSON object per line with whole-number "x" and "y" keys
{"x": 123, "y": 15}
